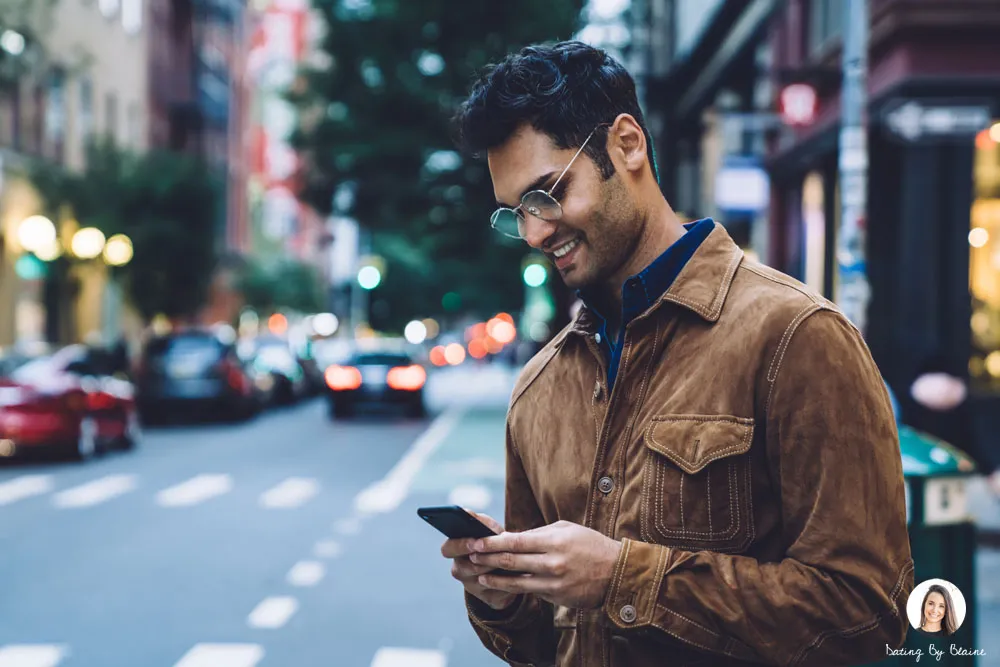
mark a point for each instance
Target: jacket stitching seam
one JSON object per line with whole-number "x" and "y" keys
{"x": 786, "y": 341}
{"x": 786, "y": 283}
{"x": 722, "y": 453}
{"x": 726, "y": 282}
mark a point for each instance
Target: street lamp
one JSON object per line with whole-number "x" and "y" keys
{"x": 36, "y": 232}
{"x": 118, "y": 250}
{"x": 88, "y": 243}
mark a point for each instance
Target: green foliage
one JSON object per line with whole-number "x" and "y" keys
{"x": 372, "y": 119}
{"x": 165, "y": 202}
{"x": 284, "y": 285}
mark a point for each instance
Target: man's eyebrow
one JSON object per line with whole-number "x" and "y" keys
{"x": 535, "y": 185}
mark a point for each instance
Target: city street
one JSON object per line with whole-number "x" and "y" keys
{"x": 289, "y": 540}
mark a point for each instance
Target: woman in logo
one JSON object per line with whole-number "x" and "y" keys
{"x": 937, "y": 617}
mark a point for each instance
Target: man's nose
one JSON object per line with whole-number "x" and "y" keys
{"x": 537, "y": 231}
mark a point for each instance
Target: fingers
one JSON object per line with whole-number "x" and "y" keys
{"x": 542, "y": 564}
{"x": 516, "y": 584}
{"x": 466, "y": 571}
{"x": 456, "y": 548}
{"x": 532, "y": 541}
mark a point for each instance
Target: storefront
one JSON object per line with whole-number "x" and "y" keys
{"x": 933, "y": 218}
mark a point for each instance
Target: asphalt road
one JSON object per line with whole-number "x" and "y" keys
{"x": 288, "y": 541}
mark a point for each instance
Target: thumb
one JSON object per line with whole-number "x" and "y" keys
{"x": 488, "y": 520}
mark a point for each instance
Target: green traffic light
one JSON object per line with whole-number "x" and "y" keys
{"x": 535, "y": 275}
{"x": 369, "y": 277}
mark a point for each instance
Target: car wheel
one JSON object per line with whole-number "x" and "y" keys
{"x": 86, "y": 443}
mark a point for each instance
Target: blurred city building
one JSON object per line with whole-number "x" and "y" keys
{"x": 75, "y": 72}
{"x": 745, "y": 105}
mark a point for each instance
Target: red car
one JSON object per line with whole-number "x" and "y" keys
{"x": 70, "y": 401}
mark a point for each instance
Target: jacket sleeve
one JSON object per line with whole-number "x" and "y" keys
{"x": 523, "y": 634}
{"x": 838, "y": 596}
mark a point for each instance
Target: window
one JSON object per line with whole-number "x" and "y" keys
{"x": 111, "y": 116}
{"x": 826, "y": 21}
{"x": 984, "y": 262}
{"x": 86, "y": 114}
{"x": 132, "y": 16}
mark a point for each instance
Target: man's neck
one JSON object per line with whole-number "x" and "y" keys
{"x": 662, "y": 230}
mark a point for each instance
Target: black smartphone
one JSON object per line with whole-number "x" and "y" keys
{"x": 456, "y": 523}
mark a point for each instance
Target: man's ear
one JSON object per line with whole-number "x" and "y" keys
{"x": 627, "y": 140}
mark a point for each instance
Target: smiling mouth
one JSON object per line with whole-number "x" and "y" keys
{"x": 565, "y": 248}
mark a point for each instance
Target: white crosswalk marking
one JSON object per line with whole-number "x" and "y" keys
{"x": 222, "y": 655}
{"x": 326, "y": 549}
{"x": 306, "y": 573}
{"x": 32, "y": 655}
{"x": 23, "y": 487}
{"x": 273, "y": 613}
{"x": 292, "y": 492}
{"x": 408, "y": 657}
{"x": 195, "y": 490}
{"x": 96, "y": 492}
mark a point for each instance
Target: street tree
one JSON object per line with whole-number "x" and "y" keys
{"x": 375, "y": 122}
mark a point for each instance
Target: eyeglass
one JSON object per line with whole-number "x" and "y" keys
{"x": 539, "y": 203}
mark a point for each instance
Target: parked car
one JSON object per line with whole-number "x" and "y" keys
{"x": 376, "y": 379}
{"x": 70, "y": 401}
{"x": 194, "y": 372}
{"x": 274, "y": 356}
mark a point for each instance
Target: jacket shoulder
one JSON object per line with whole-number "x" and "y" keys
{"x": 537, "y": 363}
{"x": 776, "y": 299}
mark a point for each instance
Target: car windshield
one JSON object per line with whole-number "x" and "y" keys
{"x": 381, "y": 360}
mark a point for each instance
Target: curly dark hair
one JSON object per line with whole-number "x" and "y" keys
{"x": 950, "y": 623}
{"x": 563, "y": 90}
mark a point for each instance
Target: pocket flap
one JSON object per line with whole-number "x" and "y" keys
{"x": 694, "y": 441}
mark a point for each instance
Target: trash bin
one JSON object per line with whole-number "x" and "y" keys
{"x": 942, "y": 536}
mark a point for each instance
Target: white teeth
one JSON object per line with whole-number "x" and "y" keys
{"x": 561, "y": 252}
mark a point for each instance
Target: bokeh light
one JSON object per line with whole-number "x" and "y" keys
{"x": 454, "y": 354}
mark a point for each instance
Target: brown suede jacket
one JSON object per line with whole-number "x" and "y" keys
{"x": 748, "y": 460}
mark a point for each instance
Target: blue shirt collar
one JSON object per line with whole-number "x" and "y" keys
{"x": 643, "y": 289}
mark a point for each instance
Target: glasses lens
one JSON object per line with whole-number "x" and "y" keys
{"x": 541, "y": 205}
{"x": 507, "y": 222}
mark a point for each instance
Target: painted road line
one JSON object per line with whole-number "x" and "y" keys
{"x": 96, "y": 492}
{"x": 32, "y": 655}
{"x": 195, "y": 490}
{"x": 388, "y": 493}
{"x": 306, "y": 573}
{"x": 350, "y": 526}
{"x": 327, "y": 549}
{"x": 273, "y": 613}
{"x": 408, "y": 657}
{"x": 292, "y": 492}
{"x": 23, "y": 487}
{"x": 222, "y": 655}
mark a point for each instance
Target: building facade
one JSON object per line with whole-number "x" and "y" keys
{"x": 933, "y": 215}
{"x": 87, "y": 79}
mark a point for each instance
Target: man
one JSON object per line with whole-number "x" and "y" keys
{"x": 703, "y": 467}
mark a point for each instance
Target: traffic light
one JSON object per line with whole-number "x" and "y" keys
{"x": 535, "y": 275}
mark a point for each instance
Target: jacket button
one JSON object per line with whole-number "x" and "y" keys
{"x": 628, "y": 613}
{"x": 606, "y": 485}
{"x": 597, "y": 338}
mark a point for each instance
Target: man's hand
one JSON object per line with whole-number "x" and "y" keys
{"x": 468, "y": 573}
{"x": 564, "y": 563}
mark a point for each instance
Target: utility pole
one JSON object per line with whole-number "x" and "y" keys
{"x": 853, "y": 290}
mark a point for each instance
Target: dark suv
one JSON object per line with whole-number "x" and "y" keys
{"x": 193, "y": 372}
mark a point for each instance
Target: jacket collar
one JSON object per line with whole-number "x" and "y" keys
{"x": 701, "y": 286}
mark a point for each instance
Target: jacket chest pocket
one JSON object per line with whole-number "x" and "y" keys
{"x": 696, "y": 483}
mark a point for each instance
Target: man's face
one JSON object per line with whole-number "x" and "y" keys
{"x": 599, "y": 226}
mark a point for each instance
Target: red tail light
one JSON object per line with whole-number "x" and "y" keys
{"x": 75, "y": 401}
{"x": 233, "y": 375}
{"x": 407, "y": 378}
{"x": 100, "y": 401}
{"x": 342, "y": 378}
